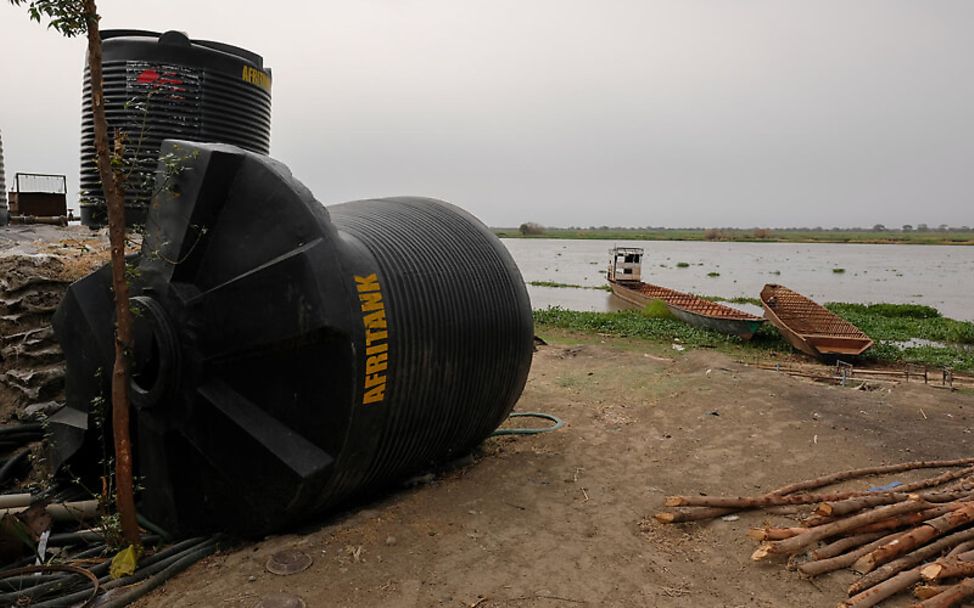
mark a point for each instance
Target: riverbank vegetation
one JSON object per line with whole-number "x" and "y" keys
{"x": 904, "y": 333}
{"x": 879, "y": 235}
{"x": 568, "y": 285}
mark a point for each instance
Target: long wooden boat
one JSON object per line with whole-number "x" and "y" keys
{"x": 810, "y": 327}
{"x": 690, "y": 309}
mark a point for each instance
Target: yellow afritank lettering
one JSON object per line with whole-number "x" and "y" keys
{"x": 376, "y": 338}
{"x": 376, "y": 364}
{"x": 374, "y": 395}
{"x": 374, "y": 380}
{"x": 378, "y": 348}
{"x": 371, "y": 301}
{"x": 256, "y": 77}
{"x": 369, "y": 283}
{"x": 375, "y": 320}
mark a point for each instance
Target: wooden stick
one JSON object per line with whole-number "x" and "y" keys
{"x": 951, "y": 597}
{"x": 818, "y": 482}
{"x": 925, "y": 592}
{"x": 677, "y": 517}
{"x": 830, "y": 564}
{"x": 763, "y": 534}
{"x": 916, "y": 537}
{"x": 851, "y": 505}
{"x": 750, "y": 502}
{"x": 909, "y": 560}
{"x": 964, "y": 547}
{"x": 907, "y": 519}
{"x": 883, "y": 590}
{"x": 949, "y": 567}
{"x": 844, "y": 544}
{"x": 796, "y": 543}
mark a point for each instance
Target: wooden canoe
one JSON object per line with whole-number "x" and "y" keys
{"x": 810, "y": 327}
{"x": 691, "y": 309}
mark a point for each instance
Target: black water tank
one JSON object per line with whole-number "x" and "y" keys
{"x": 290, "y": 355}
{"x": 4, "y": 211}
{"x": 161, "y": 86}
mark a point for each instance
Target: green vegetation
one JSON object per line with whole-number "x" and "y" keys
{"x": 890, "y": 325}
{"x": 568, "y": 285}
{"x": 779, "y": 235}
{"x": 682, "y": 264}
{"x": 713, "y": 274}
{"x": 658, "y": 310}
{"x": 838, "y": 270}
{"x": 737, "y": 300}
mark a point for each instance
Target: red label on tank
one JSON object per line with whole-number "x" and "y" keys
{"x": 148, "y": 76}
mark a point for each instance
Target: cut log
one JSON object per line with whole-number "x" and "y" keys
{"x": 907, "y": 519}
{"x": 812, "y": 535}
{"x": 818, "y": 482}
{"x": 949, "y": 567}
{"x": 844, "y": 544}
{"x": 830, "y": 564}
{"x": 951, "y": 596}
{"x": 909, "y": 560}
{"x": 763, "y": 534}
{"x": 925, "y": 592}
{"x": 883, "y": 590}
{"x": 858, "y": 503}
{"x": 916, "y": 537}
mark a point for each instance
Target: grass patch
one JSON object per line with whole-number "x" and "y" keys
{"x": 657, "y": 310}
{"x": 737, "y": 300}
{"x": 713, "y": 274}
{"x": 568, "y": 285}
{"x": 887, "y": 324}
{"x": 838, "y": 270}
{"x": 682, "y": 264}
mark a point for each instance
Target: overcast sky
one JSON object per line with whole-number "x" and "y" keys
{"x": 563, "y": 112}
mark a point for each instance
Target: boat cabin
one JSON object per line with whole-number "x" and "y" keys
{"x": 625, "y": 264}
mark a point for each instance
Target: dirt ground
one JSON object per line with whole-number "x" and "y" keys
{"x": 564, "y": 519}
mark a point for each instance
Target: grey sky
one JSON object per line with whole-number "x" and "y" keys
{"x": 686, "y": 112}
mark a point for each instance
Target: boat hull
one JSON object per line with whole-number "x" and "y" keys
{"x": 810, "y": 327}
{"x": 743, "y": 328}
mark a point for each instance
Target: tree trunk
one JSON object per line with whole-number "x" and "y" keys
{"x": 115, "y": 202}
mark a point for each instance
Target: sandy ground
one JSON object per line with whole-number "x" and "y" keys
{"x": 564, "y": 519}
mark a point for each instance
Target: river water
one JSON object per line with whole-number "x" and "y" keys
{"x": 938, "y": 276}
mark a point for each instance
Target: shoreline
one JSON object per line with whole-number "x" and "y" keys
{"x": 956, "y": 238}
{"x": 903, "y": 334}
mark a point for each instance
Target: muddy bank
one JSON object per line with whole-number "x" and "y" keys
{"x": 564, "y": 519}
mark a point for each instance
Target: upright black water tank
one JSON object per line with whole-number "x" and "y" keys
{"x": 4, "y": 212}
{"x": 290, "y": 355}
{"x": 160, "y": 86}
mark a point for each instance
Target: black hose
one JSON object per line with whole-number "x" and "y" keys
{"x": 189, "y": 556}
{"x": 12, "y": 462}
{"x": 32, "y": 427}
{"x": 158, "y": 579}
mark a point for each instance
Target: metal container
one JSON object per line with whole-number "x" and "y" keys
{"x": 4, "y": 213}
{"x": 39, "y": 195}
{"x": 291, "y": 356}
{"x": 160, "y": 86}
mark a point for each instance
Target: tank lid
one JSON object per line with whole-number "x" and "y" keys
{"x": 181, "y": 39}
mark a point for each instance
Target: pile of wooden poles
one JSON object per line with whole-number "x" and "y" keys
{"x": 918, "y": 534}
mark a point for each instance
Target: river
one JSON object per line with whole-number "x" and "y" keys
{"x": 935, "y": 275}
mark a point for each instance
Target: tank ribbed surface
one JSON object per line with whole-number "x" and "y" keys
{"x": 457, "y": 308}
{"x": 168, "y": 87}
{"x": 294, "y": 356}
{"x": 4, "y": 213}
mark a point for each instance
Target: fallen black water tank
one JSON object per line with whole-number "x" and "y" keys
{"x": 166, "y": 86}
{"x": 290, "y": 355}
